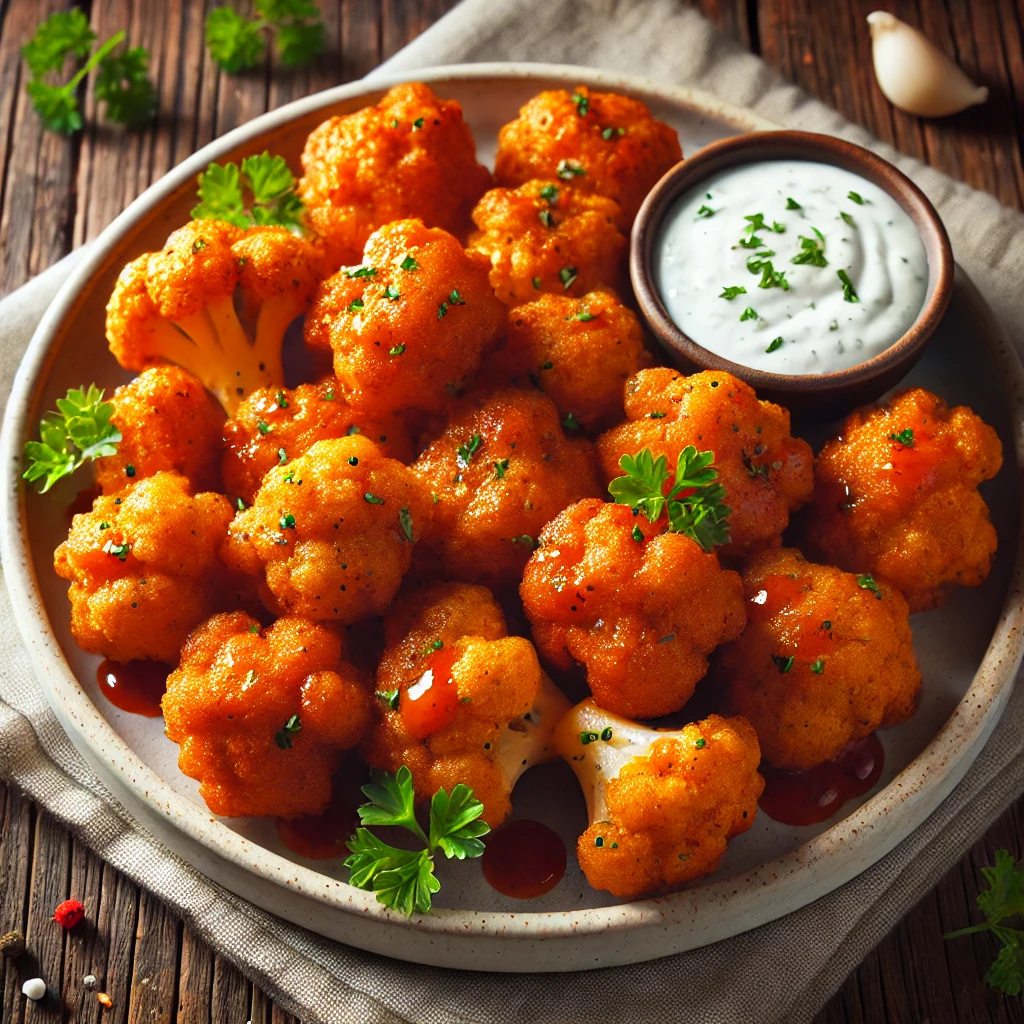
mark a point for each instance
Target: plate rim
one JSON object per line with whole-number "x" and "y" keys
{"x": 913, "y": 795}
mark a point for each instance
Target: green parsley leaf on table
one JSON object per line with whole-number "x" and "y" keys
{"x": 79, "y": 431}
{"x": 262, "y": 191}
{"x": 234, "y": 42}
{"x": 237, "y": 43}
{"x": 404, "y": 880}
{"x": 122, "y": 82}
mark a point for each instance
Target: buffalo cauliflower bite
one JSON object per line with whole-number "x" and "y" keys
{"x": 412, "y": 155}
{"x": 167, "y": 422}
{"x": 143, "y": 568}
{"x": 277, "y": 424}
{"x": 410, "y": 325}
{"x": 216, "y": 300}
{"x": 767, "y": 474}
{"x": 825, "y": 660}
{"x": 896, "y": 494}
{"x": 262, "y": 715}
{"x": 461, "y": 700}
{"x": 579, "y": 352}
{"x": 331, "y": 532}
{"x": 663, "y": 804}
{"x": 598, "y": 141}
{"x": 546, "y": 236}
{"x": 501, "y": 469}
{"x": 640, "y": 609}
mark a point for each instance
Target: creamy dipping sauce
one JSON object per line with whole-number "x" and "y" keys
{"x": 724, "y": 267}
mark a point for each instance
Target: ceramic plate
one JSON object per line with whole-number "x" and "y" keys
{"x": 968, "y": 651}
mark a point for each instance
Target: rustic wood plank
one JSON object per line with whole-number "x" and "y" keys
{"x": 195, "y": 981}
{"x": 16, "y": 842}
{"x": 85, "y": 950}
{"x": 232, "y": 994}
{"x": 155, "y": 967}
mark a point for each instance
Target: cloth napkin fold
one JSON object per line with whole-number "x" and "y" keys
{"x": 783, "y": 971}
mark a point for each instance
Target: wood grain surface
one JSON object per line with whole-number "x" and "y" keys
{"x": 56, "y": 193}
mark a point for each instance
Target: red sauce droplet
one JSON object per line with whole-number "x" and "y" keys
{"x": 136, "y": 686}
{"x": 431, "y": 701}
{"x": 524, "y": 859}
{"x": 83, "y": 502}
{"x": 322, "y": 837}
{"x": 813, "y": 796}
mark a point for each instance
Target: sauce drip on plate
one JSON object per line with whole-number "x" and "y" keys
{"x": 136, "y": 686}
{"x": 813, "y": 796}
{"x": 524, "y": 859}
{"x": 322, "y": 837}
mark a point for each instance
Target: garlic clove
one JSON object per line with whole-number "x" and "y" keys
{"x": 914, "y": 74}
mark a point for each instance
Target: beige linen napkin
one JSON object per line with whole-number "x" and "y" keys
{"x": 784, "y": 971}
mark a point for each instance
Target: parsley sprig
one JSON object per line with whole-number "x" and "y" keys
{"x": 237, "y": 43}
{"x": 1003, "y": 899}
{"x": 262, "y": 191}
{"x": 78, "y": 432}
{"x": 695, "y": 503}
{"x": 404, "y": 880}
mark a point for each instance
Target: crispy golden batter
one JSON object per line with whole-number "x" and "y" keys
{"x": 599, "y": 141}
{"x": 766, "y": 473}
{"x": 292, "y": 420}
{"x": 262, "y": 715}
{"x": 579, "y": 352}
{"x": 167, "y": 422}
{"x": 331, "y": 532}
{"x": 499, "y": 472}
{"x": 143, "y": 568}
{"x": 460, "y": 700}
{"x": 826, "y": 658}
{"x": 407, "y": 338}
{"x": 906, "y": 507}
{"x": 640, "y": 609}
{"x": 412, "y": 155}
{"x": 663, "y": 804}
{"x": 546, "y": 236}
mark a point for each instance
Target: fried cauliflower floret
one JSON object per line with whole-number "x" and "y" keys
{"x": 501, "y": 469}
{"x": 579, "y": 352}
{"x": 461, "y": 700}
{"x": 411, "y": 155}
{"x": 330, "y": 534}
{"x": 825, "y": 659}
{"x": 143, "y": 568}
{"x": 410, "y": 326}
{"x": 599, "y": 141}
{"x": 547, "y": 236}
{"x": 167, "y": 422}
{"x": 767, "y": 474}
{"x": 290, "y": 421}
{"x": 640, "y": 609}
{"x": 663, "y": 803}
{"x": 896, "y": 495}
{"x": 262, "y": 715}
{"x": 216, "y": 300}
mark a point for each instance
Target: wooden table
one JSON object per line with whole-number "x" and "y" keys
{"x": 57, "y": 193}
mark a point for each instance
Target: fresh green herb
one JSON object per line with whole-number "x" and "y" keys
{"x": 656, "y": 415}
{"x": 240, "y": 504}
{"x": 287, "y": 521}
{"x": 352, "y": 460}
{"x": 855, "y": 197}
{"x": 818, "y": 667}
{"x": 237, "y": 43}
{"x": 465, "y": 452}
{"x": 748, "y": 314}
{"x": 638, "y": 534}
{"x": 782, "y": 662}
{"x": 548, "y": 365}
{"x": 417, "y": 124}
{"x": 105, "y": 525}
{"x": 582, "y": 103}
{"x": 609, "y": 133}
{"x": 849, "y": 294}
{"x": 455, "y": 299}
{"x": 772, "y": 278}
{"x": 372, "y": 499}
{"x": 586, "y": 738}
{"x": 389, "y": 698}
{"x": 792, "y": 204}
{"x": 442, "y": 310}
{"x": 695, "y": 504}
{"x": 353, "y": 429}
{"x": 391, "y": 292}
{"x": 123, "y": 84}
{"x": 606, "y": 734}
{"x": 705, "y": 211}
{"x": 569, "y": 169}
{"x": 777, "y": 227}
{"x": 501, "y": 468}
{"x": 536, "y": 283}
{"x": 119, "y": 551}
{"x": 756, "y": 223}
{"x": 254, "y": 629}
{"x": 775, "y": 344}
{"x": 867, "y": 582}
{"x": 1001, "y": 901}
{"x": 752, "y": 242}
{"x": 732, "y": 291}
{"x": 812, "y": 250}
{"x": 263, "y": 427}
{"x": 570, "y": 422}
{"x": 261, "y": 192}
{"x": 550, "y": 193}
{"x": 848, "y": 219}
{"x": 404, "y": 880}
{"x": 396, "y": 350}
{"x": 524, "y": 539}
{"x": 409, "y": 263}
{"x": 405, "y": 521}
{"x": 904, "y": 437}
{"x": 544, "y": 216}
{"x": 834, "y": 325}
{"x": 78, "y": 432}
{"x": 583, "y": 315}
{"x": 284, "y": 736}
{"x": 567, "y": 275}
{"x": 282, "y": 456}
{"x": 359, "y": 272}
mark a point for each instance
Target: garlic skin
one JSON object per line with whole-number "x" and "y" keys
{"x": 914, "y": 74}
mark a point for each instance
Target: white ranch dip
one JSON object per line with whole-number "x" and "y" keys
{"x": 836, "y": 223}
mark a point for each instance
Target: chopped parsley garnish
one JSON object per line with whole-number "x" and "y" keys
{"x": 705, "y": 211}
{"x": 536, "y": 283}
{"x": 569, "y": 169}
{"x": 282, "y": 456}
{"x": 567, "y": 275}
{"x": 372, "y": 499}
{"x": 442, "y": 310}
{"x": 701, "y": 743}
{"x": 544, "y": 216}
{"x": 582, "y": 103}
{"x": 583, "y": 315}
{"x": 748, "y": 314}
{"x": 818, "y": 667}
{"x": 904, "y": 437}
{"x": 359, "y": 272}
{"x": 848, "y": 219}
{"x": 792, "y": 204}
{"x": 240, "y": 504}
{"x": 638, "y": 534}
{"x": 523, "y": 538}
{"x": 105, "y": 525}
{"x": 756, "y": 223}
{"x": 783, "y": 662}
{"x": 753, "y": 242}
{"x": 867, "y": 582}
{"x": 396, "y": 350}
{"x": 609, "y": 133}
{"x": 849, "y": 293}
{"x": 287, "y": 521}
{"x": 855, "y": 197}
{"x": 455, "y": 299}
{"x": 772, "y": 278}
{"x": 550, "y": 193}
{"x": 283, "y": 736}
{"x": 263, "y": 427}
{"x": 236, "y": 42}
{"x": 570, "y": 422}
{"x": 656, "y": 415}
{"x": 417, "y": 124}
{"x": 465, "y": 452}
{"x": 352, "y": 430}
{"x": 732, "y": 291}
{"x": 119, "y": 551}
{"x": 501, "y": 468}
{"x": 777, "y": 227}
{"x": 405, "y": 521}
{"x": 391, "y": 292}
{"x": 775, "y": 344}
{"x": 812, "y": 250}
{"x": 389, "y": 698}
{"x": 355, "y": 305}
{"x": 409, "y": 263}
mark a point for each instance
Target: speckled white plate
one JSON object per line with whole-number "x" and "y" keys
{"x": 969, "y": 651}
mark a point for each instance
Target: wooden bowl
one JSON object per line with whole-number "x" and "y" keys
{"x": 824, "y": 394}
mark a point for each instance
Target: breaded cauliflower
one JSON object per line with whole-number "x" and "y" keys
{"x": 330, "y": 534}
{"x": 167, "y": 422}
{"x": 216, "y": 300}
{"x": 826, "y": 658}
{"x": 143, "y": 568}
{"x": 663, "y": 804}
{"x": 896, "y": 495}
{"x": 547, "y": 236}
{"x": 501, "y": 469}
{"x": 412, "y": 155}
{"x": 639, "y": 608}
{"x": 598, "y": 141}
{"x": 275, "y": 425}
{"x": 579, "y": 352}
{"x": 460, "y": 699}
{"x": 262, "y": 715}
{"x": 767, "y": 474}
{"x": 410, "y": 325}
